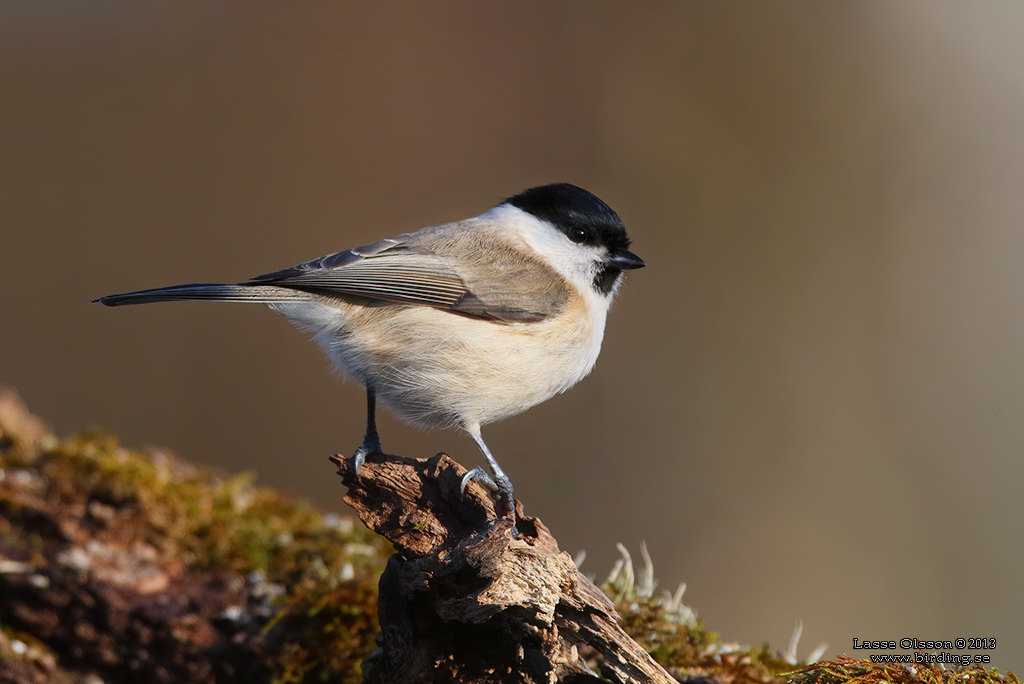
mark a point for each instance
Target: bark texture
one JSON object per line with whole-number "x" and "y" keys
{"x": 468, "y": 598}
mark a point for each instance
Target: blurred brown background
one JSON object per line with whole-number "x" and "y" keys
{"x": 810, "y": 404}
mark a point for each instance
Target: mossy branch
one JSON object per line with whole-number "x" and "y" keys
{"x": 121, "y": 565}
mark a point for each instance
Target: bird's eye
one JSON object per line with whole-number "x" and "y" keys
{"x": 577, "y": 235}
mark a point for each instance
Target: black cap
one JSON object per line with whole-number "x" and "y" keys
{"x": 581, "y": 215}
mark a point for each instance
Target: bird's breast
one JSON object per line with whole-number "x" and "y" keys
{"x": 435, "y": 368}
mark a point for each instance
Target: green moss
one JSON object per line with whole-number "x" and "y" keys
{"x": 845, "y": 669}
{"x": 677, "y": 638}
{"x": 326, "y": 614}
{"x": 325, "y": 622}
{"x": 694, "y": 651}
{"x": 672, "y": 644}
{"x": 211, "y": 520}
{"x": 325, "y": 629}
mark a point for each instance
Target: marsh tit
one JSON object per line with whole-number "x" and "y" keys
{"x": 457, "y": 325}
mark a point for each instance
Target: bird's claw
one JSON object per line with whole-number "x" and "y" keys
{"x": 502, "y": 487}
{"x": 359, "y": 457}
{"x": 480, "y": 476}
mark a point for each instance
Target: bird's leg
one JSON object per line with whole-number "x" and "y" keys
{"x": 371, "y": 441}
{"x": 500, "y": 483}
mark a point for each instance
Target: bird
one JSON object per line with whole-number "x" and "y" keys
{"x": 457, "y": 325}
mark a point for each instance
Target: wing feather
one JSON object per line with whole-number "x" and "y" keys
{"x": 417, "y": 270}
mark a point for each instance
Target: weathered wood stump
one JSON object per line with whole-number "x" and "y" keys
{"x": 468, "y": 599}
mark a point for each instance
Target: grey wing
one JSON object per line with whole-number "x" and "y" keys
{"x": 409, "y": 270}
{"x": 337, "y": 260}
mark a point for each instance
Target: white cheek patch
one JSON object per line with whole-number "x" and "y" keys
{"x": 577, "y": 263}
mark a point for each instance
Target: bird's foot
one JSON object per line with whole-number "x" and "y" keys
{"x": 369, "y": 446}
{"x": 480, "y": 476}
{"x": 503, "y": 488}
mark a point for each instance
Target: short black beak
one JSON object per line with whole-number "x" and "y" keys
{"x": 626, "y": 260}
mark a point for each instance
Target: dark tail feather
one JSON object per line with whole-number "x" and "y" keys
{"x": 258, "y": 294}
